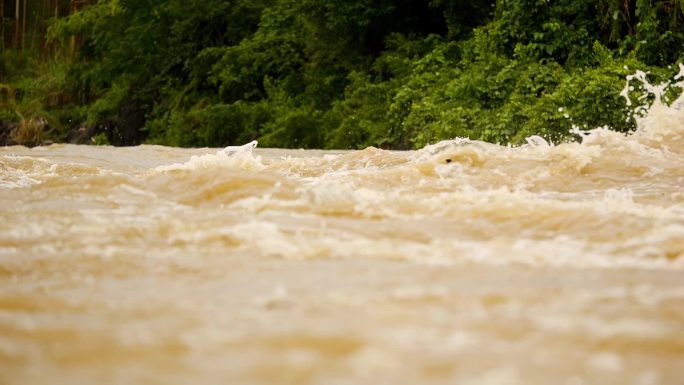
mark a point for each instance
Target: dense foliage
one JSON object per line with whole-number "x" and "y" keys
{"x": 335, "y": 73}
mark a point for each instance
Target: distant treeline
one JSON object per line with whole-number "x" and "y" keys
{"x": 325, "y": 73}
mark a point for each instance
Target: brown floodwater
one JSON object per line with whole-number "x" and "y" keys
{"x": 460, "y": 263}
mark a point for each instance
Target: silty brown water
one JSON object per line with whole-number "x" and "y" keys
{"x": 463, "y": 262}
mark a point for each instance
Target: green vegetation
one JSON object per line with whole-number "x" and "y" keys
{"x": 325, "y": 73}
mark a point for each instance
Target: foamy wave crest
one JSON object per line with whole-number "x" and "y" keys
{"x": 600, "y": 158}
{"x": 239, "y": 157}
{"x": 27, "y": 171}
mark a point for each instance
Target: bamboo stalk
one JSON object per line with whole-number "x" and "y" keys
{"x": 2, "y": 25}
{"x": 16, "y": 24}
{"x": 37, "y": 32}
{"x": 73, "y": 9}
{"x": 23, "y": 28}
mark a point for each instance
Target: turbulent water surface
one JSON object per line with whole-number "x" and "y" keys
{"x": 463, "y": 262}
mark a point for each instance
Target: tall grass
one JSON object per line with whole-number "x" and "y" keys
{"x": 31, "y": 88}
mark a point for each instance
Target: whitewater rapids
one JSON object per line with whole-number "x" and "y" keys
{"x": 463, "y": 262}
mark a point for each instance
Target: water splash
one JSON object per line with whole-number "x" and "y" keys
{"x": 658, "y": 118}
{"x": 239, "y": 157}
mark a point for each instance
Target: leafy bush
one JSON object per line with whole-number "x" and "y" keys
{"x": 211, "y": 125}
{"x": 340, "y": 73}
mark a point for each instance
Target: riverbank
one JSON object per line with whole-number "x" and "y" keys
{"x": 395, "y": 75}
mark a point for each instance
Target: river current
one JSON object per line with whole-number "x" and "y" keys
{"x": 460, "y": 263}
